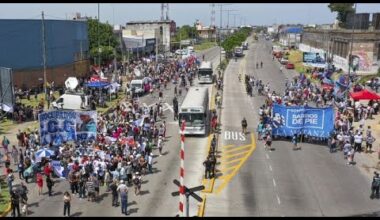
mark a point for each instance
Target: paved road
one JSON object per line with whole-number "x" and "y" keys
{"x": 283, "y": 182}
{"x": 155, "y": 198}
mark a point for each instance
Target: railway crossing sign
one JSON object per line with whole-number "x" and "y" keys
{"x": 188, "y": 193}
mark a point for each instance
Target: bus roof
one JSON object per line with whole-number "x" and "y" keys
{"x": 197, "y": 97}
{"x": 206, "y": 65}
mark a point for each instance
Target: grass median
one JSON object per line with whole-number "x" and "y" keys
{"x": 4, "y": 197}
{"x": 204, "y": 46}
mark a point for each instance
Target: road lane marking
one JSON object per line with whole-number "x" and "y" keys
{"x": 228, "y": 146}
{"x": 236, "y": 149}
{"x": 169, "y": 107}
{"x": 237, "y": 168}
{"x": 234, "y": 135}
{"x": 233, "y": 155}
{"x": 267, "y": 155}
{"x": 231, "y": 161}
{"x": 278, "y": 200}
{"x": 270, "y": 168}
{"x": 274, "y": 182}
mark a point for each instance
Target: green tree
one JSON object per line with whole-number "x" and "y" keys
{"x": 107, "y": 40}
{"x": 343, "y": 9}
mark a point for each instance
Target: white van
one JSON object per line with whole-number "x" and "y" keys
{"x": 138, "y": 86}
{"x": 71, "y": 102}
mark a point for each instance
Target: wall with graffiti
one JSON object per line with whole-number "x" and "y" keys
{"x": 362, "y": 58}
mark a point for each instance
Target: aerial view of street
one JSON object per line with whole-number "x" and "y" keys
{"x": 189, "y": 110}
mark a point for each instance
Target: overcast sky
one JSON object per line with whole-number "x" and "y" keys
{"x": 184, "y": 13}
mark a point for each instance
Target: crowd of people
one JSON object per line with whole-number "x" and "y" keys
{"x": 122, "y": 154}
{"x": 300, "y": 91}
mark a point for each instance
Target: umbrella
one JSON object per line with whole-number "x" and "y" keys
{"x": 44, "y": 153}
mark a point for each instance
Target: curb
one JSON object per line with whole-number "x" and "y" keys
{"x": 202, "y": 206}
{"x": 7, "y": 210}
{"x": 201, "y": 209}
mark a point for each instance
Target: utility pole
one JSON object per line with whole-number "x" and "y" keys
{"x": 156, "y": 48}
{"x": 220, "y": 29}
{"x": 44, "y": 54}
{"x": 352, "y": 42}
{"x": 98, "y": 35}
{"x": 228, "y": 17}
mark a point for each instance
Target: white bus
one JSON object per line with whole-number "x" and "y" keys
{"x": 205, "y": 72}
{"x": 195, "y": 111}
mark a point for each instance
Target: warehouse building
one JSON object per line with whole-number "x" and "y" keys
{"x": 67, "y": 50}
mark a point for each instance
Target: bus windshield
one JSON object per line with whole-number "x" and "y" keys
{"x": 205, "y": 72}
{"x": 192, "y": 120}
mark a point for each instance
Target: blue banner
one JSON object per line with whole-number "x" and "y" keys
{"x": 315, "y": 122}
{"x": 57, "y": 127}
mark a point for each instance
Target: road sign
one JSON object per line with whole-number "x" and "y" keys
{"x": 188, "y": 193}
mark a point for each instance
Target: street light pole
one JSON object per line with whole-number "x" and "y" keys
{"x": 44, "y": 55}
{"x": 98, "y": 34}
{"x": 220, "y": 37}
{"x": 352, "y": 42}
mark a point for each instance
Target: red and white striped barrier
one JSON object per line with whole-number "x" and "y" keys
{"x": 182, "y": 171}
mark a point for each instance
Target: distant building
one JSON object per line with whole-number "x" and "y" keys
{"x": 67, "y": 50}
{"x": 166, "y": 30}
{"x": 141, "y": 42}
{"x": 206, "y": 32}
{"x": 290, "y": 36}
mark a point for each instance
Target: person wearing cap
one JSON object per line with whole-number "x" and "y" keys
{"x": 137, "y": 183}
{"x": 124, "y": 200}
{"x": 121, "y": 186}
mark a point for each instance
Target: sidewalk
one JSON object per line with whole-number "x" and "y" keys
{"x": 369, "y": 162}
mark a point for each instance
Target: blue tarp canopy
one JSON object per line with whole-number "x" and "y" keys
{"x": 97, "y": 84}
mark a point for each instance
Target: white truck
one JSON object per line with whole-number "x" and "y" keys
{"x": 72, "y": 100}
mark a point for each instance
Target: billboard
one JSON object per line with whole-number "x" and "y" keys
{"x": 6, "y": 90}
{"x": 315, "y": 122}
{"x": 311, "y": 57}
{"x": 57, "y": 127}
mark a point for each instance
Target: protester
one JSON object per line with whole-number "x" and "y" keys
{"x": 66, "y": 203}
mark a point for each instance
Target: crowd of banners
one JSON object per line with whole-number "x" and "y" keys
{"x": 57, "y": 127}
{"x": 314, "y": 122}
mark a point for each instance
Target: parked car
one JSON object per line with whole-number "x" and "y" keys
{"x": 284, "y": 61}
{"x": 289, "y": 66}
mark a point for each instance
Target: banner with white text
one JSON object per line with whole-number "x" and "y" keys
{"x": 314, "y": 122}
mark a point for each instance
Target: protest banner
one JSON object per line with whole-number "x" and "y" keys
{"x": 314, "y": 122}
{"x": 59, "y": 126}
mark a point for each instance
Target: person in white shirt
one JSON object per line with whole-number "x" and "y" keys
{"x": 358, "y": 139}
{"x": 150, "y": 163}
